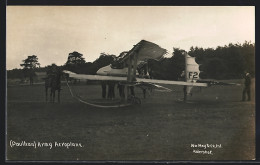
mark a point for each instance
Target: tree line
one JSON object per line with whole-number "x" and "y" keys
{"x": 224, "y": 62}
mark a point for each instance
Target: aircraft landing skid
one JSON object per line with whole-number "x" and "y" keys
{"x": 130, "y": 101}
{"x": 102, "y": 106}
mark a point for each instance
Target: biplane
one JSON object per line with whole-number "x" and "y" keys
{"x": 124, "y": 71}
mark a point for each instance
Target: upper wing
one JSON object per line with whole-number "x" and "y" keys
{"x": 113, "y": 78}
{"x": 145, "y": 50}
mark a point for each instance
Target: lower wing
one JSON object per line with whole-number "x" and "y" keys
{"x": 138, "y": 80}
{"x": 147, "y": 86}
{"x": 217, "y": 83}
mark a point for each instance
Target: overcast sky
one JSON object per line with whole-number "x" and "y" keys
{"x": 52, "y": 32}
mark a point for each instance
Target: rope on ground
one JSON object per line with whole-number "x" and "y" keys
{"x": 95, "y": 105}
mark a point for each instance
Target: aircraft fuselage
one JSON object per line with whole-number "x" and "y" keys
{"x": 109, "y": 71}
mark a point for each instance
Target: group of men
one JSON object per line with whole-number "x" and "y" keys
{"x": 53, "y": 76}
{"x": 110, "y": 93}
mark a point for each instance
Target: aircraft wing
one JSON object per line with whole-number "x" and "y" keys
{"x": 93, "y": 77}
{"x": 145, "y": 85}
{"x": 172, "y": 82}
{"x": 145, "y": 50}
{"x": 217, "y": 83}
{"x": 139, "y": 80}
{"x": 153, "y": 86}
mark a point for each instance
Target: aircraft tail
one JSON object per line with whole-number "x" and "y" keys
{"x": 191, "y": 71}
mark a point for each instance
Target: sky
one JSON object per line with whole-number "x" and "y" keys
{"x": 52, "y": 32}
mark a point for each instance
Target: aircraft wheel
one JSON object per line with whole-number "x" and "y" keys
{"x": 134, "y": 100}
{"x": 130, "y": 99}
{"x": 137, "y": 100}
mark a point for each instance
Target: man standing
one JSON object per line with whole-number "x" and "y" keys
{"x": 104, "y": 89}
{"x": 183, "y": 78}
{"x": 247, "y": 87}
{"x": 111, "y": 90}
{"x": 121, "y": 90}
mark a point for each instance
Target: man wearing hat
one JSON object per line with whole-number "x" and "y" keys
{"x": 247, "y": 87}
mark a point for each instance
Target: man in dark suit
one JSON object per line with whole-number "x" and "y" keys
{"x": 247, "y": 87}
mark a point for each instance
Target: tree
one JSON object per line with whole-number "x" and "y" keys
{"x": 75, "y": 58}
{"x": 103, "y": 60}
{"x": 216, "y": 68}
{"x": 168, "y": 68}
{"x": 178, "y": 63}
{"x": 29, "y": 65}
{"x": 75, "y": 62}
{"x": 227, "y": 62}
{"x": 31, "y": 62}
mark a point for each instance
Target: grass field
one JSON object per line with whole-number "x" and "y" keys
{"x": 161, "y": 128}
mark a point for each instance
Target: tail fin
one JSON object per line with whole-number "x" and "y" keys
{"x": 192, "y": 71}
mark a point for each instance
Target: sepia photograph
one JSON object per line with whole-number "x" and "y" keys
{"x": 130, "y": 83}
